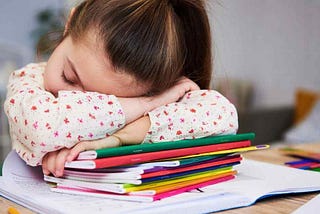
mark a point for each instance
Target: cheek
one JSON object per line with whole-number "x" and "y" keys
{"x": 51, "y": 83}
{"x": 52, "y": 79}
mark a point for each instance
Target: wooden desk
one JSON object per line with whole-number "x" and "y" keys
{"x": 281, "y": 204}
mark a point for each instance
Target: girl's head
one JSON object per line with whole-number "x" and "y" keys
{"x": 132, "y": 47}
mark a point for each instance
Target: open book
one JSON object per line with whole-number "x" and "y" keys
{"x": 254, "y": 180}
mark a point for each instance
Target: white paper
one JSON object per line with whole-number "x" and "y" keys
{"x": 25, "y": 186}
{"x": 311, "y": 207}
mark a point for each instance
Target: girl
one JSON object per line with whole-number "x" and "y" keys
{"x": 125, "y": 72}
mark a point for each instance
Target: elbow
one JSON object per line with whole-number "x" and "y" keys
{"x": 232, "y": 122}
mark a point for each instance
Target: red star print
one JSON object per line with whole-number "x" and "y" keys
{"x": 79, "y": 137}
{"x": 69, "y": 135}
{"x": 23, "y": 73}
{"x": 66, "y": 121}
{"x": 193, "y": 110}
{"x": 48, "y": 126}
{"x": 92, "y": 116}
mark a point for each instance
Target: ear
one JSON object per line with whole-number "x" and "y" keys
{"x": 66, "y": 27}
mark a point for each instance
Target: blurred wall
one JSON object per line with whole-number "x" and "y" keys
{"x": 18, "y": 19}
{"x": 273, "y": 44}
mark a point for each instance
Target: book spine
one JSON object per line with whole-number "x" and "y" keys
{"x": 151, "y": 156}
{"x": 137, "y": 149}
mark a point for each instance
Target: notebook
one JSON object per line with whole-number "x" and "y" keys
{"x": 152, "y": 156}
{"x": 143, "y": 148}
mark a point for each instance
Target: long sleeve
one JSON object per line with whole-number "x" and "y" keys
{"x": 40, "y": 123}
{"x": 198, "y": 114}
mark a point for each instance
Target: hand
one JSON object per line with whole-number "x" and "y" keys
{"x": 108, "y": 142}
{"x": 136, "y": 107}
{"x": 170, "y": 95}
{"x": 126, "y": 136}
{"x": 53, "y": 162}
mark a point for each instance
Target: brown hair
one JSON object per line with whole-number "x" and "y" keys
{"x": 156, "y": 41}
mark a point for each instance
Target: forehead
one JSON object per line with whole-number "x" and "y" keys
{"x": 90, "y": 46}
{"x": 97, "y": 72}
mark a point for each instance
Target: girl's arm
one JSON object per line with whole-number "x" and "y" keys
{"x": 41, "y": 123}
{"x": 198, "y": 114}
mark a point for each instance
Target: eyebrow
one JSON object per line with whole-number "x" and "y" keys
{"x": 73, "y": 68}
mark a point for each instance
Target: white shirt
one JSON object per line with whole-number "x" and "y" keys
{"x": 41, "y": 123}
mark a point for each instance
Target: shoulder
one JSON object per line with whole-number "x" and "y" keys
{"x": 31, "y": 68}
{"x": 204, "y": 95}
{"x": 35, "y": 66}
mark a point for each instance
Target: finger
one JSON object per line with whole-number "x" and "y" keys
{"x": 60, "y": 161}
{"x": 188, "y": 84}
{"x": 51, "y": 166}
{"x": 74, "y": 152}
{"x": 194, "y": 87}
{"x": 191, "y": 84}
{"x": 44, "y": 165}
{"x": 108, "y": 142}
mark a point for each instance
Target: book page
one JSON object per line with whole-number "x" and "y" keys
{"x": 25, "y": 185}
{"x": 258, "y": 180}
{"x": 311, "y": 207}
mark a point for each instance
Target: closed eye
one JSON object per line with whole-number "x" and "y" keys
{"x": 66, "y": 80}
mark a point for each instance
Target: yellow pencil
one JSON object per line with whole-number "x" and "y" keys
{"x": 12, "y": 210}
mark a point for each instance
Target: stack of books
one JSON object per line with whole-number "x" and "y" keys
{"x": 150, "y": 172}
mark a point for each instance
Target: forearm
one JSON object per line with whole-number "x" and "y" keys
{"x": 135, "y": 108}
{"x": 135, "y": 132}
{"x": 198, "y": 114}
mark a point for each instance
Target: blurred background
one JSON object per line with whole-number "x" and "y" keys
{"x": 267, "y": 58}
